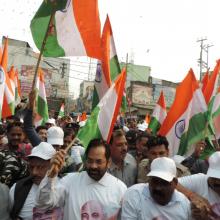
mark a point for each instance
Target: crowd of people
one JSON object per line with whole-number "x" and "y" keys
{"x": 130, "y": 178}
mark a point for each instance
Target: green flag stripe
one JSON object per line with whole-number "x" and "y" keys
{"x": 154, "y": 125}
{"x": 91, "y": 130}
{"x": 42, "y": 108}
{"x": 195, "y": 133}
{"x": 39, "y": 26}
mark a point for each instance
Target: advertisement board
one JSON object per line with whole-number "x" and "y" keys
{"x": 26, "y": 78}
{"x": 169, "y": 93}
{"x": 141, "y": 94}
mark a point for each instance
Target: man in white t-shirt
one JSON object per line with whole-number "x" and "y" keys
{"x": 93, "y": 192}
{"x": 207, "y": 186}
{"x": 159, "y": 199}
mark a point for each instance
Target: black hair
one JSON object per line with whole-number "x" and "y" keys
{"x": 143, "y": 135}
{"x": 69, "y": 133}
{"x": 41, "y": 127}
{"x": 116, "y": 133}
{"x": 157, "y": 140}
{"x": 97, "y": 143}
{"x": 14, "y": 124}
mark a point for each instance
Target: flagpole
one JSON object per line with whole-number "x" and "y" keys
{"x": 43, "y": 46}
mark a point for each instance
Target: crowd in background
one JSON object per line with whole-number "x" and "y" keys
{"x": 131, "y": 177}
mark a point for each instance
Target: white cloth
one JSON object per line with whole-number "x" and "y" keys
{"x": 139, "y": 205}
{"x": 77, "y": 190}
{"x": 26, "y": 212}
{"x": 198, "y": 183}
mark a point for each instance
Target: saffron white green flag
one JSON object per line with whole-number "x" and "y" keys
{"x": 108, "y": 67}
{"x": 61, "y": 112}
{"x": 159, "y": 114}
{"x": 74, "y": 31}
{"x": 186, "y": 120}
{"x": 8, "y": 100}
{"x": 41, "y": 101}
{"x": 103, "y": 117}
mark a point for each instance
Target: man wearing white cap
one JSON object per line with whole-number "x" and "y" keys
{"x": 22, "y": 194}
{"x": 207, "y": 185}
{"x": 159, "y": 199}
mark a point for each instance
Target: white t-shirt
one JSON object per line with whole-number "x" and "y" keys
{"x": 81, "y": 196}
{"x": 139, "y": 205}
{"x": 198, "y": 183}
{"x": 26, "y": 212}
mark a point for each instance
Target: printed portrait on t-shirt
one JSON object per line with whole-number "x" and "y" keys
{"x": 94, "y": 210}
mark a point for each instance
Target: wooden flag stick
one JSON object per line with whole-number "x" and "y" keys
{"x": 50, "y": 25}
{"x": 54, "y": 167}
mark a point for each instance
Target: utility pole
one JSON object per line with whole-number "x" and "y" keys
{"x": 200, "y": 61}
{"x": 207, "y": 55}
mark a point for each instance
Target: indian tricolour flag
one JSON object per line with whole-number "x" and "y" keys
{"x": 61, "y": 112}
{"x": 11, "y": 75}
{"x": 8, "y": 100}
{"x": 103, "y": 117}
{"x": 159, "y": 114}
{"x": 185, "y": 123}
{"x": 41, "y": 101}
{"x": 74, "y": 31}
{"x": 108, "y": 67}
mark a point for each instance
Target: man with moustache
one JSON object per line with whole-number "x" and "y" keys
{"x": 124, "y": 165}
{"x": 159, "y": 198}
{"x": 22, "y": 194}
{"x": 76, "y": 189}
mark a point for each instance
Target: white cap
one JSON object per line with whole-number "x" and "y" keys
{"x": 125, "y": 129}
{"x": 51, "y": 121}
{"x": 44, "y": 151}
{"x": 82, "y": 123}
{"x": 164, "y": 168}
{"x": 55, "y": 135}
{"x": 214, "y": 165}
{"x": 142, "y": 127}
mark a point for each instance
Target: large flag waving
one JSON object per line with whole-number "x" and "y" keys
{"x": 212, "y": 85}
{"x": 159, "y": 114}
{"x": 41, "y": 100}
{"x": 186, "y": 121}
{"x": 8, "y": 102}
{"x": 75, "y": 30}
{"x": 103, "y": 117}
{"x": 108, "y": 67}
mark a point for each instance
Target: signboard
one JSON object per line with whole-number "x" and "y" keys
{"x": 141, "y": 95}
{"x": 169, "y": 93}
{"x": 26, "y": 78}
